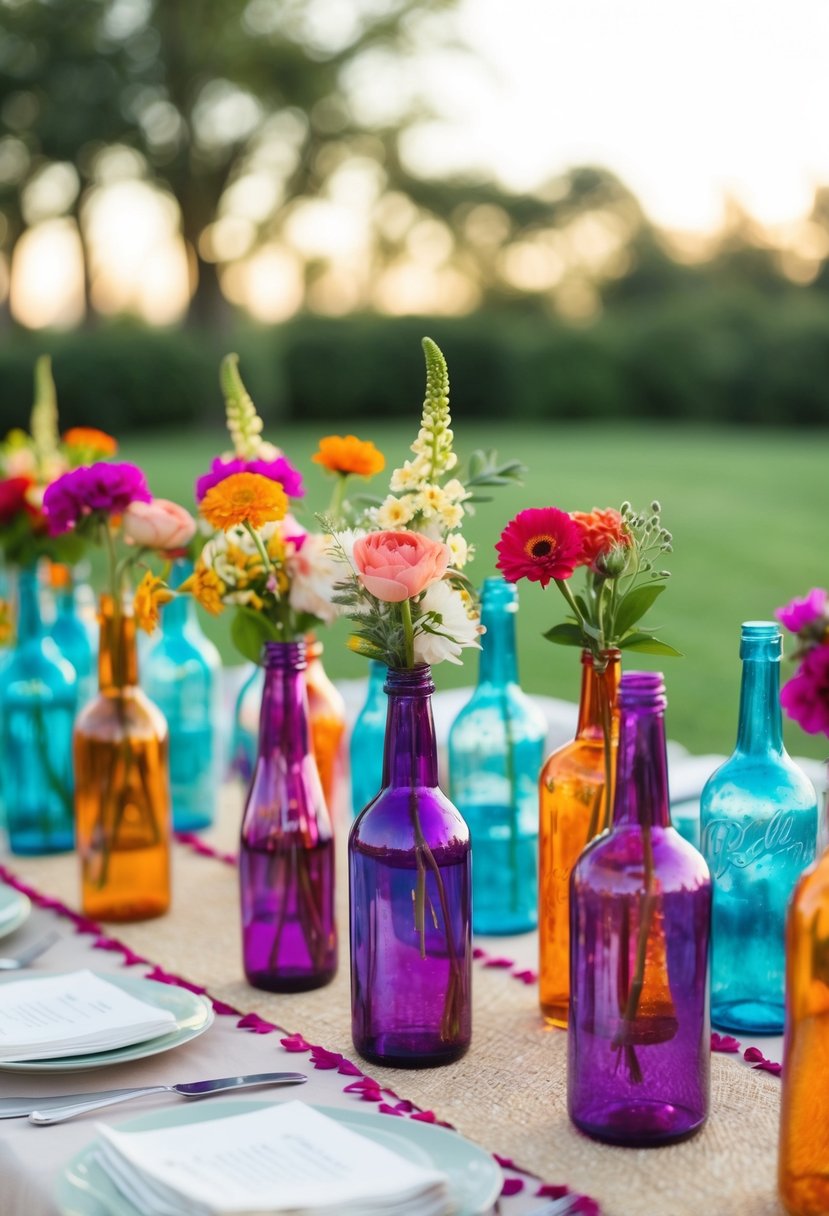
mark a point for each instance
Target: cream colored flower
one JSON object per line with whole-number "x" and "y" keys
{"x": 394, "y": 513}
{"x": 459, "y": 550}
{"x": 431, "y": 500}
{"x": 313, "y": 570}
{"x": 455, "y": 490}
{"x": 452, "y": 515}
{"x": 410, "y": 476}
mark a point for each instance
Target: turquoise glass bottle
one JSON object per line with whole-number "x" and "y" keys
{"x": 367, "y": 737}
{"x": 758, "y": 826}
{"x": 71, "y": 634}
{"x": 182, "y": 672}
{"x": 38, "y": 700}
{"x": 245, "y": 718}
{"x": 496, "y": 748}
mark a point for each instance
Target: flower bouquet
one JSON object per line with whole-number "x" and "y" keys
{"x": 122, "y": 803}
{"x": 409, "y": 856}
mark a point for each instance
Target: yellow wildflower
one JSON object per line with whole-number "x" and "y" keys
{"x": 206, "y": 588}
{"x": 6, "y": 623}
{"x": 150, "y": 594}
{"x": 244, "y": 498}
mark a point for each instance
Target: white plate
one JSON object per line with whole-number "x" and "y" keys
{"x": 14, "y": 908}
{"x": 193, "y": 1014}
{"x": 475, "y": 1180}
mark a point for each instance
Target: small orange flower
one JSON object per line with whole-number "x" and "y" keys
{"x": 150, "y": 594}
{"x": 244, "y": 498}
{"x": 602, "y": 530}
{"x": 91, "y": 440}
{"x": 347, "y": 454}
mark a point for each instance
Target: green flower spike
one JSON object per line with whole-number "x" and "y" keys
{"x": 243, "y": 422}
{"x": 434, "y": 442}
{"x": 44, "y": 416}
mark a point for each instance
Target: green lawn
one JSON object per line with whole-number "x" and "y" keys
{"x": 747, "y": 510}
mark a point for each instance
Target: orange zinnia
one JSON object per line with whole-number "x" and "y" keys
{"x": 244, "y": 498}
{"x": 90, "y": 439}
{"x": 347, "y": 454}
{"x": 602, "y": 530}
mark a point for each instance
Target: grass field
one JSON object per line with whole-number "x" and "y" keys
{"x": 748, "y": 510}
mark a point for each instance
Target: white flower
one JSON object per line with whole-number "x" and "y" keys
{"x": 459, "y": 550}
{"x": 455, "y": 490}
{"x": 452, "y": 515}
{"x": 313, "y": 571}
{"x": 432, "y": 500}
{"x": 410, "y": 476}
{"x": 452, "y": 628}
{"x": 394, "y": 512}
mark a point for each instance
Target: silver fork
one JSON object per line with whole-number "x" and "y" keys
{"x": 18, "y": 961}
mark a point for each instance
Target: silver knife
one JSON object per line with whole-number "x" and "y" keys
{"x": 65, "y": 1106}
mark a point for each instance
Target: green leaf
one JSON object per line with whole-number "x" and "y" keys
{"x": 249, "y": 631}
{"x": 647, "y": 644}
{"x": 634, "y": 606}
{"x": 566, "y": 635}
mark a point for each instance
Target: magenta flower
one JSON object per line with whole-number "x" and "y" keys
{"x": 540, "y": 544}
{"x": 805, "y": 697}
{"x": 280, "y": 470}
{"x": 799, "y": 613}
{"x": 102, "y": 488}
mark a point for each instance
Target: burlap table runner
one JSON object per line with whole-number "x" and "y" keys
{"x": 509, "y": 1091}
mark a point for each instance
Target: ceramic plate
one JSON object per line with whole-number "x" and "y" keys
{"x": 14, "y": 908}
{"x": 193, "y": 1015}
{"x": 475, "y": 1180}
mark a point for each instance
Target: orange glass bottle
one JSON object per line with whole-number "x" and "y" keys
{"x": 326, "y": 709}
{"x": 803, "y": 1166}
{"x": 122, "y": 792}
{"x": 574, "y": 806}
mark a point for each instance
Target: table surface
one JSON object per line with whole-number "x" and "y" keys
{"x": 507, "y": 1094}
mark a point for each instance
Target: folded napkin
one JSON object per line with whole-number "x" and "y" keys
{"x": 73, "y": 1014}
{"x": 281, "y": 1158}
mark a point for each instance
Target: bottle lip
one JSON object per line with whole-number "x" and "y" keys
{"x": 612, "y": 654}
{"x": 761, "y": 640}
{"x": 496, "y": 588}
{"x": 642, "y": 690}
{"x": 410, "y": 681}
{"x": 282, "y": 655}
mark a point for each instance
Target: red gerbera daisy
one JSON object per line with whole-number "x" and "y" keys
{"x": 13, "y": 497}
{"x": 541, "y": 543}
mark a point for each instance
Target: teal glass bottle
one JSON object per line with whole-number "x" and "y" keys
{"x": 182, "y": 672}
{"x": 367, "y": 739}
{"x": 71, "y": 634}
{"x": 243, "y": 744}
{"x": 38, "y": 700}
{"x": 758, "y": 827}
{"x": 496, "y": 749}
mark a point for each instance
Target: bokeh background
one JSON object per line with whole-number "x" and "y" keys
{"x": 614, "y": 219}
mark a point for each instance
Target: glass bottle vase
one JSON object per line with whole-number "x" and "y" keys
{"x": 182, "y": 672}
{"x": 366, "y": 744}
{"x": 575, "y": 801}
{"x": 758, "y": 825}
{"x": 638, "y": 1032}
{"x": 122, "y": 791}
{"x": 69, "y": 631}
{"x": 410, "y": 898}
{"x": 496, "y": 747}
{"x": 803, "y": 1162}
{"x": 38, "y": 700}
{"x": 286, "y": 859}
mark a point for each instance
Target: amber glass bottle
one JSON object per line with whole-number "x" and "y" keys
{"x": 326, "y": 710}
{"x": 122, "y": 793}
{"x": 804, "y": 1115}
{"x": 574, "y": 805}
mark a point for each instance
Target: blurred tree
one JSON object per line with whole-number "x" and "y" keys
{"x": 207, "y": 92}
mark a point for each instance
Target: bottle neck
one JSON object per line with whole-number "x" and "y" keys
{"x": 410, "y": 756}
{"x": 283, "y": 722}
{"x": 117, "y": 653}
{"x": 376, "y": 680}
{"x": 760, "y": 724}
{"x": 599, "y": 697}
{"x": 642, "y": 766}
{"x": 29, "y": 620}
{"x": 180, "y": 612}
{"x": 499, "y": 662}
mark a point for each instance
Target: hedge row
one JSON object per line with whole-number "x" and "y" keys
{"x": 715, "y": 356}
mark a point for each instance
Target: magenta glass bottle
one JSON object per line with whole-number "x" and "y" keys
{"x": 410, "y": 898}
{"x": 640, "y": 915}
{"x": 286, "y": 859}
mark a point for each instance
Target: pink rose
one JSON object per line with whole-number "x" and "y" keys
{"x": 158, "y": 524}
{"x": 394, "y": 566}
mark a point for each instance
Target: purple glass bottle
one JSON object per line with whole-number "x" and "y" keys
{"x": 640, "y": 915}
{"x": 411, "y": 893}
{"x": 286, "y": 859}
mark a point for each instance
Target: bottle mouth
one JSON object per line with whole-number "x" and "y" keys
{"x": 282, "y": 655}
{"x": 642, "y": 690}
{"x": 761, "y": 640}
{"x": 410, "y": 681}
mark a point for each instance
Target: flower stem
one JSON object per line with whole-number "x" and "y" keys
{"x": 335, "y": 507}
{"x": 408, "y": 632}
